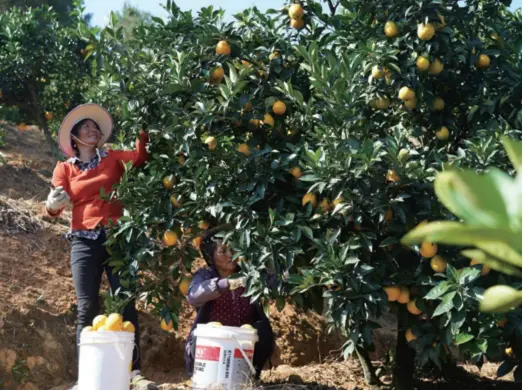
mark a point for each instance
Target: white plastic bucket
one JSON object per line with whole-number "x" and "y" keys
{"x": 223, "y": 358}
{"x": 105, "y": 360}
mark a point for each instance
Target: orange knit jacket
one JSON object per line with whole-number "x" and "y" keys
{"x": 83, "y": 187}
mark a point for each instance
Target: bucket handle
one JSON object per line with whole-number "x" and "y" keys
{"x": 244, "y": 355}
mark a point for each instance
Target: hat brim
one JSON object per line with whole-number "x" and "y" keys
{"x": 87, "y": 111}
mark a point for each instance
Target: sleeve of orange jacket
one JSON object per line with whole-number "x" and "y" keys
{"x": 139, "y": 156}
{"x": 60, "y": 179}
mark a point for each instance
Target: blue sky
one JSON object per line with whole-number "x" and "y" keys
{"x": 101, "y": 8}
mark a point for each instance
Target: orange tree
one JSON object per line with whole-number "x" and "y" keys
{"x": 317, "y": 137}
{"x": 42, "y": 67}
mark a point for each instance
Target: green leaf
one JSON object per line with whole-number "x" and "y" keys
{"x": 513, "y": 148}
{"x": 500, "y": 298}
{"x": 495, "y": 264}
{"x": 446, "y": 304}
{"x": 438, "y": 290}
{"x": 463, "y": 338}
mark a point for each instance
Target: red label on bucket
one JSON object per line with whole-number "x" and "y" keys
{"x": 207, "y": 353}
{"x": 238, "y": 353}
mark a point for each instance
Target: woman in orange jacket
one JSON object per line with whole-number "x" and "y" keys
{"x": 78, "y": 181}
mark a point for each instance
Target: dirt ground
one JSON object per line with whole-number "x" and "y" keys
{"x": 38, "y": 310}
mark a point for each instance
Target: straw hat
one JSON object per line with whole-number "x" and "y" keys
{"x": 87, "y": 111}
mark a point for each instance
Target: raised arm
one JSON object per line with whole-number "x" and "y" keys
{"x": 204, "y": 289}
{"x": 138, "y": 156}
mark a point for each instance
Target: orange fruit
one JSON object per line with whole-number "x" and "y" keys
{"x": 422, "y": 63}
{"x": 426, "y": 31}
{"x": 409, "y": 335}
{"x": 268, "y": 120}
{"x": 428, "y": 249}
{"x": 296, "y": 172}
{"x": 382, "y": 103}
{"x": 48, "y": 116}
{"x": 204, "y": 225}
{"x": 392, "y": 176}
{"x": 297, "y": 24}
{"x": 310, "y": 198}
{"x": 296, "y": 11}
{"x": 377, "y": 72}
{"x": 217, "y": 75}
{"x": 168, "y": 182}
{"x": 223, "y": 48}
{"x": 405, "y": 93}
{"x": 411, "y": 307}
{"x": 404, "y": 296}
{"x": 114, "y": 322}
{"x": 184, "y": 286}
{"x": 255, "y": 123}
{"x": 196, "y": 242}
{"x": 211, "y": 143}
{"x": 325, "y": 205}
{"x": 438, "y": 264}
{"x": 166, "y": 326}
{"x": 436, "y": 67}
{"x": 279, "y": 107}
{"x": 244, "y": 148}
{"x": 181, "y": 159}
{"x": 393, "y": 292}
{"x": 247, "y": 106}
{"x": 483, "y": 61}
{"x": 99, "y": 321}
{"x": 128, "y": 326}
{"x": 175, "y": 201}
{"x": 246, "y": 64}
{"x": 508, "y": 351}
{"x": 170, "y": 238}
{"x": 274, "y": 55}
{"x": 443, "y": 134}
{"x": 390, "y": 29}
{"x": 438, "y": 104}
{"x": 484, "y": 270}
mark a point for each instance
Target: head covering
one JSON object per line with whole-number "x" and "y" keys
{"x": 87, "y": 111}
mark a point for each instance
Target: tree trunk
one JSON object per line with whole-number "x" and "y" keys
{"x": 403, "y": 372}
{"x": 39, "y": 116}
{"x": 368, "y": 369}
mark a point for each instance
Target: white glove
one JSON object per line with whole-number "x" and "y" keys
{"x": 237, "y": 283}
{"x": 57, "y": 199}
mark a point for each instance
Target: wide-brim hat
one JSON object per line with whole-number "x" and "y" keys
{"x": 87, "y": 111}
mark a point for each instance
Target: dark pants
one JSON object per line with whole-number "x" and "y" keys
{"x": 88, "y": 261}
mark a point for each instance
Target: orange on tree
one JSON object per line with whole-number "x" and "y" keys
{"x": 404, "y": 296}
{"x": 428, "y": 249}
{"x": 166, "y": 326}
{"x": 99, "y": 321}
{"x": 393, "y": 292}
{"x": 181, "y": 159}
{"x": 48, "y": 116}
{"x": 382, "y": 103}
{"x": 296, "y": 11}
{"x": 422, "y": 63}
{"x": 204, "y": 225}
{"x": 168, "y": 182}
{"x": 392, "y": 176}
{"x": 170, "y": 238}
{"x": 244, "y": 148}
{"x": 436, "y": 67}
{"x": 438, "y": 264}
{"x": 279, "y": 107}
{"x": 412, "y": 308}
{"x": 438, "y": 104}
{"x": 175, "y": 201}
{"x": 268, "y": 120}
{"x": 409, "y": 335}
{"x": 310, "y": 198}
{"x": 405, "y": 93}
{"x": 297, "y": 24}
{"x": 223, "y": 48}
{"x": 248, "y": 106}
{"x": 390, "y": 29}
{"x": 274, "y": 55}
{"x": 114, "y": 322}
{"x": 377, "y": 72}
{"x": 211, "y": 142}
{"x": 183, "y": 287}
{"x": 426, "y": 31}
{"x": 296, "y": 172}
{"x": 128, "y": 326}
{"x": 484, "y": 268}
{"x": 196, "y": 242}
{"x": 217, "y": 75}
{"x": 508, "y": 351}
{"x": 324, "y": 205}
{"x": 483, "y": 61}
{"x": 443, "y": 133}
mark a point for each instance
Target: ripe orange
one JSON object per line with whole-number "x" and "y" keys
{"x": 168, "y": 182}
{"x": 508, "y": 351}
{"x": 166, "y": 326}
{"x": 443, "y": 134}
{"x": 274, "y": 55}
{"x": 404, "y": 296}
{"x": 99, "y": 321}
{"x": 483, "y": 61}
{"x": 184, "y": 286}
{"x": 409, "y": 335}
{"x": 392, "y": 176}
{"x": 244, "y": 148}
{"x": 196, "y": 242}
{"x": 268, "y": 120}
{"x": 204, "y": 225}
{"x": 405, "y": 93}
{"x": 170, "y": 238}
{"x": 422, "y": 63}
{"x": 393, "y": 292}
{"x": 279, "y": 107}
{"x": 484, "y": 270}
{"x": 175, "y": 201}
{"x": 436, "y": 67}
{"x": 296, "y": 172}
{"x": 297, "y": 24}
{"x": 412, "y": 308}
{"x": 114, "y": 322}
{"x": 128, "y": 326}
{"x": 428, "y": 249}
{"x": 382, "y": 103}
{"x": 426, "y": 31}
{"x": 377, "y": 72}
{"x": 223, "y": 48}
{"x": 296, "y": 11}
{"x": 211, "y": 143}
{"x": 48, "y": 116}
{"x": 438, "y": 264}
{"x": 310, "y": 197}
{"x": 217, "y": 75}
{"x": 325, "y": 205}
{"x": 438, "y": 104}
{"x": 390, "y": 29}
